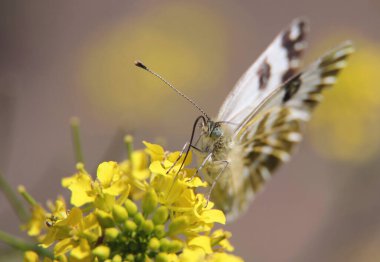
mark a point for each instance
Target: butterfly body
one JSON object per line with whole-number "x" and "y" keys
{"x": 261, "y": 119}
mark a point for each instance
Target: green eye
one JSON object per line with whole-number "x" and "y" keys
{"x": 216, "y": 132}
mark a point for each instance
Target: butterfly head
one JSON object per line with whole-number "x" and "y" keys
{"x": 213, "y": 129}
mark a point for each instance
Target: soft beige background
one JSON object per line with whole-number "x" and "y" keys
{"x": 63, "y": 59}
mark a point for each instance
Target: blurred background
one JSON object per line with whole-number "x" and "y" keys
{"x": 64, "y": 59}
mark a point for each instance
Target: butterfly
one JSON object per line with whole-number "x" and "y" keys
{"x": 261, "y": 119}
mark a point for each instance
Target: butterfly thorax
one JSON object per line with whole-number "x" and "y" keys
{"x": 214, "y": 140}
{"x": 225, "y": 159}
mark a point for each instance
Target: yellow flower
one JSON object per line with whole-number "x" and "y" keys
{"x": 137, "y": 172}
{"x": 206, "y": 213}
{"x": 82, "y": 252}
{"x": 220, "y": 238}
{"x": 192, "y": 255}
{"x": 102, "y": 192}
{"x": 70, "y": 231}
{"x": 36, "y": 222}
{"x": 175, "y": 189}
{"x": 156, "y": 152}
{"x": 62, "y": 228}
{"x": 80, "y": 186}
{"x": 199, "y": 255}
{"x": 163, "y": 219}
{"x": 203, "y": 242}
{"x": 224, "y": 257}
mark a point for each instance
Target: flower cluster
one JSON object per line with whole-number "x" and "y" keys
{"x": 143, "y": 209}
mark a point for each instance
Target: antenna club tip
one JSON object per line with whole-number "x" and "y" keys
{"x": 140, "y": 64}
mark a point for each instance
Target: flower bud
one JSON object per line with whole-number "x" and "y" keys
{"x": 140, "y": 257}
{"x": 130, "y": 257}
{"x": 131, "y": 207}
{"x": 161, "y": 215}
{"x": 130, "y": 226}
{"x": 119, "y": 213}
{"x": 147, "y": 226}
{"x": 159, "y": 231}
{"x": 154, "y": 244}
{"x": 178, "y": 225}
{"x": 111, "y": 233}
{"x": 164, "y": 244}
{"x": 102, "y": 252}
{"x": 175, "y": 246}
{"x": 104, "y": 219}
{"x": 149, "y": 202}
{"x": 162, "y": 257}
{"x": 139, "y": 218}
{"x": 117, "y": 258}
{"x": 30, "y": 256}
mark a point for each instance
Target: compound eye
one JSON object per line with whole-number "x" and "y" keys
{"x": 216, "y": 132}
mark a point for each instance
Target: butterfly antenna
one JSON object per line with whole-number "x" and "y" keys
{"x": 141, "y": 65}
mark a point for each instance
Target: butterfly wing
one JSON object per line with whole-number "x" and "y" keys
{"x": 276, "y": 65}
{"x": 267, "y": 137}
{"x": 264, "y": 145}
{"x": 304, "y": 90}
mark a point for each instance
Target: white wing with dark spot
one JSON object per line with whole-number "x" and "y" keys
{"x": 278, "y": 63}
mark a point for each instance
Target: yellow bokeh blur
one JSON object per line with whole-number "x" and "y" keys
{"x": 175, "y": 40}
{"x": 346, "y": 126}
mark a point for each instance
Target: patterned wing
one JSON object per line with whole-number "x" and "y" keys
{"x": 267, "y": 138}
{"x": 276, "y": 65}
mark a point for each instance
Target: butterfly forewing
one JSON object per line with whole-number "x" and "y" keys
{"x": 276, "y": 65}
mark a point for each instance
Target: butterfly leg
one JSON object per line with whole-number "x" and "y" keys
{"x": 225, "y": 163}
{"x": 207, "y": 158}
{"x": 179, "y": 157}
{"x": 188, "y": 146}
{"x": 181, "y": 154}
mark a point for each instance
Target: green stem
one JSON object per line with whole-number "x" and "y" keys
{"x": 74, "y": 123}
{"x": 28, "y": 198}
{"x": 218, "y": 240}
{"x": 13, "y": 199}
{"x": 128, "y": 141}
{"x": 23, "y": 245}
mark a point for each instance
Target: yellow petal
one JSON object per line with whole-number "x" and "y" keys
{"x": 141, "y": 174}
{"x": 192, "y": 255}
{"x": 73, "y": 219}
{"x": 197, "y": 182}
{"x": 37, "y": 221}
{"x": 63, "y": 246}
{"x": 213, "y": 216}
{"x": 203, "y": 242}
{"x": 223, "y": 257}
{"x": 220, "y": 237}
{"x": 172, "y": 157}
{"x": 117, "y": 188}
{"x": 139, "y": 160}
{"x": 156, "y": 152}
{"x": 80, "y": 186}
{"x": 156, "y": 168}
{"x": 81, "y": 252}
{"x": 105, "y": 202}
{"x": 106, "y": 171}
